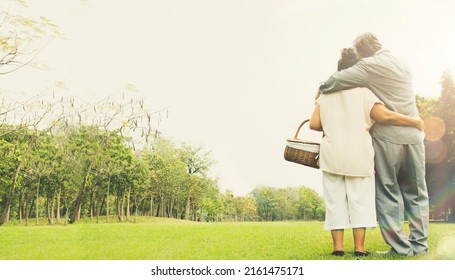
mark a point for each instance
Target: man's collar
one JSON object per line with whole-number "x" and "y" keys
{"x": 380, "y": 51}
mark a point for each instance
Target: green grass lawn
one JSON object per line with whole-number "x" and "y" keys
{"x": 168, "y": 239}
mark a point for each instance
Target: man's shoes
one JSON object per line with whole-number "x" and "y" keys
{"x": 337, "y": 253}
{"x": 420, "y": 253}
{"x": 362, "y": 254}
{"x": 391, "y": 252}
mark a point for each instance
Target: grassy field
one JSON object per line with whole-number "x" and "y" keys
{"x": 168, "y": 239}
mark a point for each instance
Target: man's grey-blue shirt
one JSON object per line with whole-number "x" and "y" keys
{"x": 391, "y": 81}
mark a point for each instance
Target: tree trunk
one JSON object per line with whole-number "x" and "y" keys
{"x": 7, "y": 213}
{"x": 151, "y": 205}
{"x": 4, "y": 218}
{"x": 37, "y": 201}
{"x": 107, "y": 197}
{"x": 25, "y": 210}
{"x": 128, "y": 204}
{"x": 169, "y": 209}
{"x": 92, "y": 202}
{"x": 21, "y": 206}
{"x": 97, "y": 211}
{"x": 66, "y": 212}
{"x": 46, "y": 209}
{"x": 157, "y": 214}
{"x": 58, "y": 206}
{"x": 136, "y": 208}
{"x": 187, "y": 208}
{"x": 120, "y": 207}
{"x": 52, "y": 209}
{"x": 99, "y": 207}
{"x": 29, "y": 214}
{"x": 117, "y": 204}
{"x": 162, "y": 207}
{"x": 193, "y": 213}
{"x": 76, "y": 211}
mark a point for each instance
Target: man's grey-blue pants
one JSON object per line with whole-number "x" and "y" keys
{"x": 401, "y": 192}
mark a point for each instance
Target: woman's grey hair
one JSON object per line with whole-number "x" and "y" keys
{"x": 349, "y": 57}
{"x": 367, "y": 44}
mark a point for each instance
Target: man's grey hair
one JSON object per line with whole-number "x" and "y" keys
{"x": 367, "y": 44}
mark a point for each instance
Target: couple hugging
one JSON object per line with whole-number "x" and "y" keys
{"x": 372, "y": 153}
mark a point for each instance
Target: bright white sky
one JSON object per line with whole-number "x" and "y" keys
{"x": 237, "y": 75}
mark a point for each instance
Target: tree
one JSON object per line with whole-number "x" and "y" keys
{"x": 266, "y": 201}
{"x": 167, "y": 174}
{"x": 39, "y": 166}
{"x": 16, "y": 147}
{"x": 21, "y": 37}
{"x": 197, "y": 162}
{"x": 211, "y": 203}
{"x": 310, "y": 205}
{"x": 440, "y": 153}
{"x": 84, "y": 144}
{"x": 448, "y": 113}
{"x": 245, "y": 207}
{"x": 228, "y": 200}
{"x": 428, "y": 106}
{"x": 115, "y": 161}
{"x": 288, "y": 203}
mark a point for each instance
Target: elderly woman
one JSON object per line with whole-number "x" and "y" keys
{"x": 347, "y": 157}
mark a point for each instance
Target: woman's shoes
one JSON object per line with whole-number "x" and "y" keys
{"x": 356, "y": 253}
{"x": 337, "y": 253}
{"x": 362, "y": 254}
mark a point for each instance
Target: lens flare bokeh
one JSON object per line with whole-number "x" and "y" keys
{"x": 435, "y": 149}
{"x": 435, "y": 128}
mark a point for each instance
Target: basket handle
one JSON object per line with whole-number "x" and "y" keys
{"x": 300, "y": 126}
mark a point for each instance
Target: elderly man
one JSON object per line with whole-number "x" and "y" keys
{"x": 401, "y": 190}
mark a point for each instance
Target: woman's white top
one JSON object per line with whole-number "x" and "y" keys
{"x": 346, "y": 147}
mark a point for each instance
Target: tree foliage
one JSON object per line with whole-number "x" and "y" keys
{"x": 288, "y": 204}
{"x": 440, "y": 152}
{"x": 60, "y": 170}
{"x": 22, "y": 37}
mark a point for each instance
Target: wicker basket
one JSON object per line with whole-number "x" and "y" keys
{"x": 302, "y": 152}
